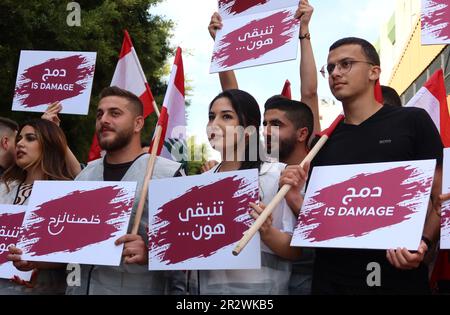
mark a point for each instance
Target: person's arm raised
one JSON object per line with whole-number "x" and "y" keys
{"x": 308, "y": 69}
{"x": 51, "y": 114}
{"x": 228, "y": 79}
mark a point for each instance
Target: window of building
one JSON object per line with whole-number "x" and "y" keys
{"x": 441, "y": 61}
{"x": 409, "y": 94}
{"x": 435, "y": 65}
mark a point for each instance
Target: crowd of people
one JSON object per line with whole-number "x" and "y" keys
{"x": 38, "y": 150}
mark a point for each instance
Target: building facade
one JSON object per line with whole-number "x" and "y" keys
{"x": 406, "y": 64}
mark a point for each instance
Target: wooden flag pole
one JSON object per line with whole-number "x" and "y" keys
{"x": 248, "y": 235}
{"x": 155, "y": 107}
{"x": 148, "y": 176}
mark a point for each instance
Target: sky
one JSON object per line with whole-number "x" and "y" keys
{"x": 332, "y": 20}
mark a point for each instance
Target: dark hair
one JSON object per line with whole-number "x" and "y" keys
{"x": 135, "y": 101}
{"x": 298, "y": 113}
{"x": 391, "y": 96}
{"x": 145, "y": 143}
{"x": 367, "y": 48}
{"x": 52, "y": 160}
{"x": 8, "y": 125}
{"x": 249, "y": 114}
{"x": 275, "y": 98}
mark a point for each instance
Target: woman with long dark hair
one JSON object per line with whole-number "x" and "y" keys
{"x": 233, "y": 130}
{"x": 40, "y": 155}
{"x": 41, "y": 151}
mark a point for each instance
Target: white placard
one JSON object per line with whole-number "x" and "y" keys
{"x": 77, "y": 222}
{"x": 255, "y": 33}
{"x": 45, "y": 77}
{"x": 195, "y": 221}
{"x": 435, "y": 22}
{"x": 366, "y": 206}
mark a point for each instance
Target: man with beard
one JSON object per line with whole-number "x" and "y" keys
{"x": 288, "y": 126}
{"x": 279, "y": 111}
{"x": 118, "y": 126}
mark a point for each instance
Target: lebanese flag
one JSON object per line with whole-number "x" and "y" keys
{"x": 433, "y": 98}
{"x": 379, "y": 93}
{"x": 128, "y": 76}
{"x": 287, "y": 90}
{"x": 173, "y": 115}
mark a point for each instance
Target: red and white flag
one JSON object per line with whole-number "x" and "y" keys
{"x": 173, "y": 115}
{"x": 379, "y": 92}
{"x": 128, "y": 76}
{"x": 433, "y": 98}
{"x": 287, "y": 90}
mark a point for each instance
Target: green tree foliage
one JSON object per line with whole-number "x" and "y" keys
{"x": 41, "y": 25}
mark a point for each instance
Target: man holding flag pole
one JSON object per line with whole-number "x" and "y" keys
{"x": 119, "y": 122}
{"x": 129, "y": 76}
{"x": 292, "y": 123}
{"x": 296, "y": 136}
{"x": 118, "y": 126}
{"x": 120, "y": 119}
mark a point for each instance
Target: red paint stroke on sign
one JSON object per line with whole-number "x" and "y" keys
{"x": 243, "y": 44}
{"x": 234, "y": 7}
{"x": 436, "y": 19}
{"x": 402, "y": 189}
{"x": 173, "y": 240}
{"x": 54, "y": 80}
{"x": 106, "y": 208}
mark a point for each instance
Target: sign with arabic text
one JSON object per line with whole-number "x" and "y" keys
{"x": 11, "y": 218}
{"x": 196, "y": 221}
{"x": 77, "y": 222}
{"x": 366, "y": 206}
{"x": 45, "y": 77}
{"x": 255, "y": 33}
{"x": 435, "y": 22}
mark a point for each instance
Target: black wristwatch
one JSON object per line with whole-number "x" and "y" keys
{"x": 307, "y": 36}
